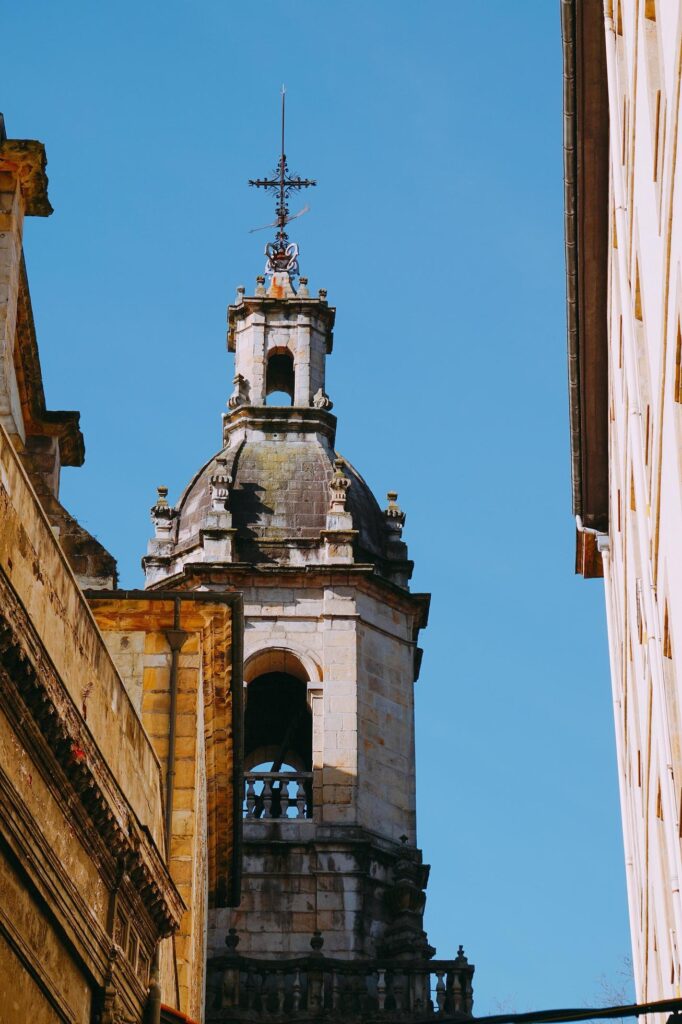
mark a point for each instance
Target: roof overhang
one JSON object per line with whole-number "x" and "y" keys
{"x": 586, "y": 184}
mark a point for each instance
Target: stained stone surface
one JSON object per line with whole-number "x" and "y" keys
{"x": 280, "y": 491}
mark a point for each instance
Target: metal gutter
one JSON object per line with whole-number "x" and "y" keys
{"x": 587, "y": 248}
{"x": 570, "y": 236}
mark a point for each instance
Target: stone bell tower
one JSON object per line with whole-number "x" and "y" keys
{"x": 333, "y": 880}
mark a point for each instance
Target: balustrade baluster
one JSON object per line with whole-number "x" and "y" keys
{"x": 469, "y": 997}
{"x": 399, "y": 991}
{"x": 250, "y": 798}
{"x": 267, "y": 797}
{"x": 296, "y": 990}
{"x": 381, "y": 989}
{"x": 284, "y": 797}
{"x": 230, "y": 989}
{"x": 279, "y": 981}
{"x": 315, "y": 990}
{"x": 336, "y": 990}
{"x": 250, "y": 988}
{"x": 300, "y": 800}
{"x": 440, "y": 991}
{"x": 455, "y": 987}
{"x": 419, "y": 992}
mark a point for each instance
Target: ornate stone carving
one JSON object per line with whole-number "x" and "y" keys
{"x": 338, "y": 485}
{"x": 163, "y": 515}
{"x": 339, "y": 536}
{"x": 220, "y": 484}
{"x": 395, "y": 517}
{"x": 240, "y": 395}
{"x": 112, "y": 1011}
{"x": 321, "y": 400}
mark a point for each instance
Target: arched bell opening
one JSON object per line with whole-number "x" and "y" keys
{"x": 278, "y": 748}
{"x": 280, "y": 378}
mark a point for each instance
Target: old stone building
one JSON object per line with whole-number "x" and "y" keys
{"x": 624, "y": 257}
{"x": 117, "y": 774}
{"x": 333, "y": 884}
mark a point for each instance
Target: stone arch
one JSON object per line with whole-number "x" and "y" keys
{"x": 280, "y": 372}
{"x": 298, "y": 664}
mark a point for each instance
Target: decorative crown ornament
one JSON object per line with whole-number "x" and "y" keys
{"x": 395, "y": 517}
{"x": 162, "y": 515}
{"x": 220, "y": 484}
{"x": 338, "y": 485}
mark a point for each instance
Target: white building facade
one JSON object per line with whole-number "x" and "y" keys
{"x": 624, "y": 254}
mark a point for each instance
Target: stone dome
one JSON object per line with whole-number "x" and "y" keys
{"x": 279, "y": 498}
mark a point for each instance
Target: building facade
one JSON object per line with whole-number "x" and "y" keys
{"x": 120, "y": 720}
{"x": 624, "y": 251}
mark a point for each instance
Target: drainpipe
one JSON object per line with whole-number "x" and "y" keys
{"x": 176, "y": 638}
{"x": 644, "y": 530}
{"x": 152, "y": 1013}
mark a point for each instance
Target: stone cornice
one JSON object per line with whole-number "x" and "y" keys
{"x": 264, "y": 304}
{"x": 26, "y": 160}
{"x": 27, "y": 674}
{"x": 243, "y": 574}
{"x": 39, "y": 420}
{"x": 274, "y": 419}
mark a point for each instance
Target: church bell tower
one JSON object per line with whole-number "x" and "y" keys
{"x": 333, "y": 883}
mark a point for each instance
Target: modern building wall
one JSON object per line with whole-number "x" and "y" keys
{"x": 640, "y": 550}
{"x": 643, "y": 559}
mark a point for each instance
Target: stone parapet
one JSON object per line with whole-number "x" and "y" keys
{"x": 318, "y": 988}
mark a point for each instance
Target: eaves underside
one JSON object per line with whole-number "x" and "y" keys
{"x": 586, "y": 189}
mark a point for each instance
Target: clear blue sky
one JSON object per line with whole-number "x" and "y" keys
{"x": 434, "y": 130}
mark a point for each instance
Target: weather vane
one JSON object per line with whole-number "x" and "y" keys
{"x": 282, "y": 255}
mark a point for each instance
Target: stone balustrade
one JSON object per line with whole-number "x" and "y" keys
{"x": 278, "y": 795}
{"x": 319, "y": 988}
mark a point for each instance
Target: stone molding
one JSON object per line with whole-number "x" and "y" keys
{"x": 25, "y": 668}
{"x": 26, "y": 160}
{"x": 262, "y": 304}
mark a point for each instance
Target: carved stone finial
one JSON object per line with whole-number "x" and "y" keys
{"x": 219, "y": 484}
{"x": 162, "y": 515}
{"x": 338, "y": 485}
{"x": 317, "y": 942}
{"x": 232, "y": 939}
{"x": 240, "y": 294}
{"x": 303, "y": 287}
{"x": 240, "y": 395}
{"x": 321, "y": 400}
{"x": 260, "y": 284}
{"x": 395, "y": 517}
{"x": 460, "y": 958}
{"x": 322, "y": 293}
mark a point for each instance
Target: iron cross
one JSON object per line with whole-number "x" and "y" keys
{"x": 281, "y": 184}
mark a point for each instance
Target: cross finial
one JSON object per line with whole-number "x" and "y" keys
{"x": 282, "y": 254}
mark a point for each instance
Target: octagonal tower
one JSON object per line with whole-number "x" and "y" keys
{"x": 330, "y": 660}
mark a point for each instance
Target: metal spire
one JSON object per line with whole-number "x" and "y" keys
{"x": 282, "y": 254}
